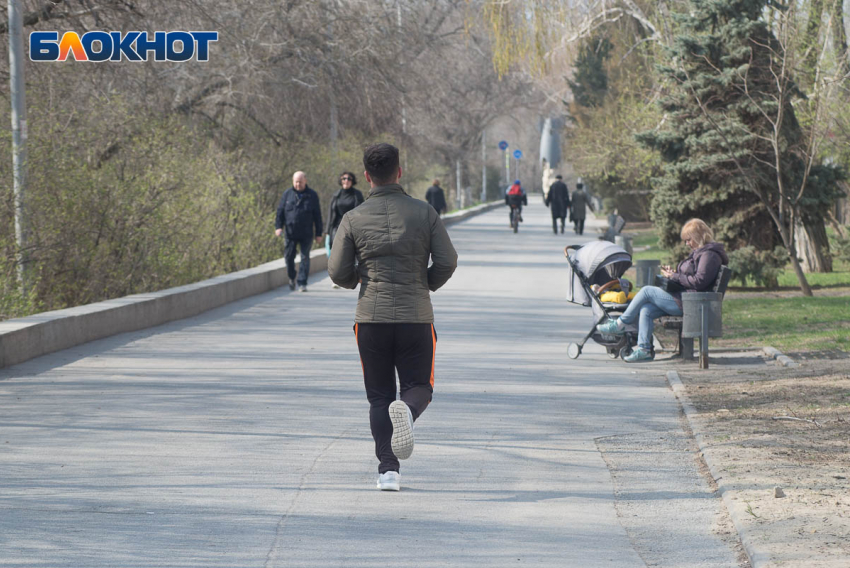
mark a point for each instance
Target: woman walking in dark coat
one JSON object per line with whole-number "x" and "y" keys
{"x": 580, "y": 202}
{"x": 342, "y": 202}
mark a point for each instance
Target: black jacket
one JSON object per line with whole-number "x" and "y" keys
{"x": 580, "y": 201}
{"x": 558, "y": 199}
{"x": 298, "y": 212}
{"x": 342, "y": 202}
{"x": 436, "y": 198}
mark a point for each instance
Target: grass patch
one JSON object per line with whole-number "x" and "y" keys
{"x": 789, "y": 324}
{"x": 839, "y": 277}
{"x": 653, "y": 252}
{"x": 645, "y": 238}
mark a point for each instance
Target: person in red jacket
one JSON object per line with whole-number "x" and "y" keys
{"x": 515, "y": 197}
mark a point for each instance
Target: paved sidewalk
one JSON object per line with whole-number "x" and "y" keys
{"x": 241, "y": 438}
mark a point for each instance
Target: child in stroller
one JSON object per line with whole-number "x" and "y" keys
{"x": 596, "y": 268}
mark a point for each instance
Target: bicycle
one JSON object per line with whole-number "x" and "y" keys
{"x": 515, "y": 218}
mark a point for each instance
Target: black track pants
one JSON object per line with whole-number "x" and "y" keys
{"x": 384, "y": 349}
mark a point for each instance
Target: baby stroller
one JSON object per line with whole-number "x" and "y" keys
{"x": 599, "y": 263}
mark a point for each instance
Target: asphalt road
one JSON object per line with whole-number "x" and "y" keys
{"x": 241, "y": 438}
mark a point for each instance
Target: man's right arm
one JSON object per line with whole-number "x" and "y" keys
{"x": 341, "y": 267}
{"x": 443, "y": 254}
{"x": 279, "y": 220}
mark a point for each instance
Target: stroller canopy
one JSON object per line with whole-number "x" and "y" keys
{"x": 597, "y": 262}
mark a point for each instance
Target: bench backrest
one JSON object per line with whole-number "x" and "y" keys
{"x": 723, "y": 277}
{"x": 619, "y": 223}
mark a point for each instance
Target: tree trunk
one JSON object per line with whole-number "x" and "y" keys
{"x": 839, "y": 37}
{"x": 833, "y": 220}
{"x": 787, "y": 240}
{"x": 810, "y": 39}
{"x": 812, "y": 247}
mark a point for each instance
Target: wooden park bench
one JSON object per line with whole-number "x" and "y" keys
{"x": 685, "y": 346}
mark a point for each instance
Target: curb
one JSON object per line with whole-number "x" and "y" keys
{"x": 759, "y": 558}
{"x": 26, "y": 338}
{"x": 458, "y": 216}
{"x": 783, "y": 360}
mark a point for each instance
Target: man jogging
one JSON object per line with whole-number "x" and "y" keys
{"x": 385, "y": 245}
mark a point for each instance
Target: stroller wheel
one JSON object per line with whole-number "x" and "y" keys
{"x": 573, "y": 350}
{"x": 613, "y": 354}
{"x": 625, "y": 352}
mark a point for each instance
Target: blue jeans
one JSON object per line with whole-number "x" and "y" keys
{"x": 650, "y": 303}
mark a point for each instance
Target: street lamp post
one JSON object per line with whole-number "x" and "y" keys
{"x": 457, "y": 176}
{"x": 483, "y": 166}
{"x": 19, "y": 135}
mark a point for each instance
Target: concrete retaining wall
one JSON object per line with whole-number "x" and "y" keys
{"x": 26, "y": 338}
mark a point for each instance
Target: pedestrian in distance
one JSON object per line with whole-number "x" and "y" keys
{"x": 385, "y": 245}
{"x": 298, "y": 214}
{"x": 558, "y": 202}
{"x": 580, "y": 203}
{"x": 436, "y": 198}
{"x": 343, "y": 201}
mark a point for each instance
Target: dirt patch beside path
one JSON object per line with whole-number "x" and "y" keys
{"x": 767, "y": 426}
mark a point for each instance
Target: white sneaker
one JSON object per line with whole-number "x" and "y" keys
{"x": 389, "y": 481}
{"x": 402, "y": 440}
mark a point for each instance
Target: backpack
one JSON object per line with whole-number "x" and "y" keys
{"x": 515, "y": 190}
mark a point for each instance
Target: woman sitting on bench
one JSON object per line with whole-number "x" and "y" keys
{"x": 696, "y": 273}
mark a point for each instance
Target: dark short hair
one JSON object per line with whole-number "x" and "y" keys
{"x": 579, "y": 185}
{"x": 349, "y": 174}
{"x": 559, "y": 176}
{"x": 381, "y": 162}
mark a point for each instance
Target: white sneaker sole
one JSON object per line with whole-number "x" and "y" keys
{"x": 389, "y": 486}
{"x": 402, "y": 440}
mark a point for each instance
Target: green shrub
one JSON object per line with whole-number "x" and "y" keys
{"x": 841, "y": 248}
{"x": 760, "y": 267}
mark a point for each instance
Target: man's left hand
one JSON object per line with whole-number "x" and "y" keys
{"x": 319, "y": 239}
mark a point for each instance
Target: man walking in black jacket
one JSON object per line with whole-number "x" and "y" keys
{"x": 436, "y": 198}
{"x": 298, "y": 212}
{"x": 558, "y": 201}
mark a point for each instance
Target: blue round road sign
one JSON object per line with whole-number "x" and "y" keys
{"x": 503, "y": 145}
{"x": 517, "y": 154}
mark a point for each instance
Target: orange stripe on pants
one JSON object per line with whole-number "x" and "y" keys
{"x": 357, "y": 341}
{"x": 433, "y": 354}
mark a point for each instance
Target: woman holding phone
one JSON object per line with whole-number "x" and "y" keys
{"x": 696, "y": 273}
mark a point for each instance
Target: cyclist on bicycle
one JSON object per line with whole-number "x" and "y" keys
{"x": 515, "y": 198}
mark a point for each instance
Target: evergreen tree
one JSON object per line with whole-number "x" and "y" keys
{"x": 590, "y": 79}
{"x": 733, "y": 149}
